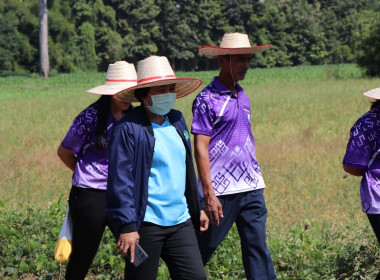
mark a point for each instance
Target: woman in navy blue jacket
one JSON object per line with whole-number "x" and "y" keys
{"x": 152, "y": 197}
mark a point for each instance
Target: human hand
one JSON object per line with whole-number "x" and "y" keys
{"x": 213, "y": 208}
{"x": 127, "y": 242}
{"x": 204, "y": 221}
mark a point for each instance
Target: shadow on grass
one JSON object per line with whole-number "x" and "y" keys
{"x": 8, "y": 75}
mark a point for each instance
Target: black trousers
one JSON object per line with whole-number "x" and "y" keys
{"x": 176, "y": 245}
{"x": 374, "y": 220}
{"x": 87, "y": 208}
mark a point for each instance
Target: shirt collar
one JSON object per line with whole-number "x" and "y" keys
{"x": 222, "y": 88}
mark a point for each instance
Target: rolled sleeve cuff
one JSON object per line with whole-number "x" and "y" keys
{"x": 128, "y": 228}
{"x": 354, "y": 165}
{"x": 203, "y": 132}
{"x": 67, "y": 147}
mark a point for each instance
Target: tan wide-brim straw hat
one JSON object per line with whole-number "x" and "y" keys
{"x": 156, "y": 71}
{"x": 373, "y": 93}
{"x": 233, "y": 43}
{"x": 120, "y": 75}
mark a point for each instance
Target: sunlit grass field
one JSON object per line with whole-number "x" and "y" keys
{"x": 301, "y": 119}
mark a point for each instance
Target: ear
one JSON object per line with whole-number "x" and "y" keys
{"x": 147, "y": 100}
{"x": 224, "y": 63}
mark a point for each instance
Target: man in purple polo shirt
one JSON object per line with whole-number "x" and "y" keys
{"x": 229, "y": 173}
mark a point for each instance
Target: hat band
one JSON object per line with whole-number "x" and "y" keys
{"x": 156, "y": 78}
{"x": 120, "y": 81}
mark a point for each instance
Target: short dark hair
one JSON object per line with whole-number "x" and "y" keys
{"x": 140, "y": 93}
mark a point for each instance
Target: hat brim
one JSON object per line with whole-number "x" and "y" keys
{"x": 110, "y": 89}
{"x": 184, "y": 86}
{"x": 373, "y": 93}
{"x": 215, "y": 51}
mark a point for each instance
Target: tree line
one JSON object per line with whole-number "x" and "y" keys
{"x": 87, "y": 35}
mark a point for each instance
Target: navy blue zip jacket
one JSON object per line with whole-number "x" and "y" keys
{"x": 131, "y": 155}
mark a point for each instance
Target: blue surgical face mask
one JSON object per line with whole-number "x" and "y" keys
{"x": 162, "y": 103}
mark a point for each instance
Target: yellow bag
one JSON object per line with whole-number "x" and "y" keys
{"x": 63, "y": 247}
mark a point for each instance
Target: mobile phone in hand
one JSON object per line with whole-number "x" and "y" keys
{"x": 140, "y": 255}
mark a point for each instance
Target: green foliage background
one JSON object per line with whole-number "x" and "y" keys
{"x": 88, "y": 35}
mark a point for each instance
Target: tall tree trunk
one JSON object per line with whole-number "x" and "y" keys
{"x": 44, "y": 49}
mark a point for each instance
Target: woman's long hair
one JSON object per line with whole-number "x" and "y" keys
{"x": 103, "y": 105}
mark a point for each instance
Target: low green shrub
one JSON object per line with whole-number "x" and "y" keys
{"x": 27, "y": 242}
{"x": 314, "y": 252}
{"x": 309, "y": 252}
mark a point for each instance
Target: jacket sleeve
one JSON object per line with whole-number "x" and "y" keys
{"x": 193, "y": 179}
{"x": 120, "y": 207}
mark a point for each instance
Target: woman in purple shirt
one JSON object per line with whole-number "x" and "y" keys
{"x": 85, "y": 151}
{"x": 362, "y": 158}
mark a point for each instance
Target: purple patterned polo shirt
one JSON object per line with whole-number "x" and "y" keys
{"x": 218, "y": 113}
{"x": 91, "y": 170}
{"x": 363, "y": 152}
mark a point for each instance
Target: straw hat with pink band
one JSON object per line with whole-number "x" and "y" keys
{"x": 233, "y": 43}
{"x": 156, "y": 71}
{"x": 120, "y": 76}
{"x": 373, "y": 93}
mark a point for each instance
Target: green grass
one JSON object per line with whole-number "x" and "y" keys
{"x": 301, "y": 119}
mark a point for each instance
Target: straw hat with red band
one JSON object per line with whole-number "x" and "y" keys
{"x": 156, "y": 71}
{"x": 120, "y": 75}
{"x": 373, "y": 93}
{"x": 233, "y": 43}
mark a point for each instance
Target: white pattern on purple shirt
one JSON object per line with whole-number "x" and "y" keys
{"x": 363, "y": 152}
{"x": 226, "y": 119}
{"x": 91, "y": 170}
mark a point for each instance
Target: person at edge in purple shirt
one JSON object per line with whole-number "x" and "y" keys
{"x": 229, "y": 173}
{"x": 85, "y": 151}
{"x": 362, "y": 158}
